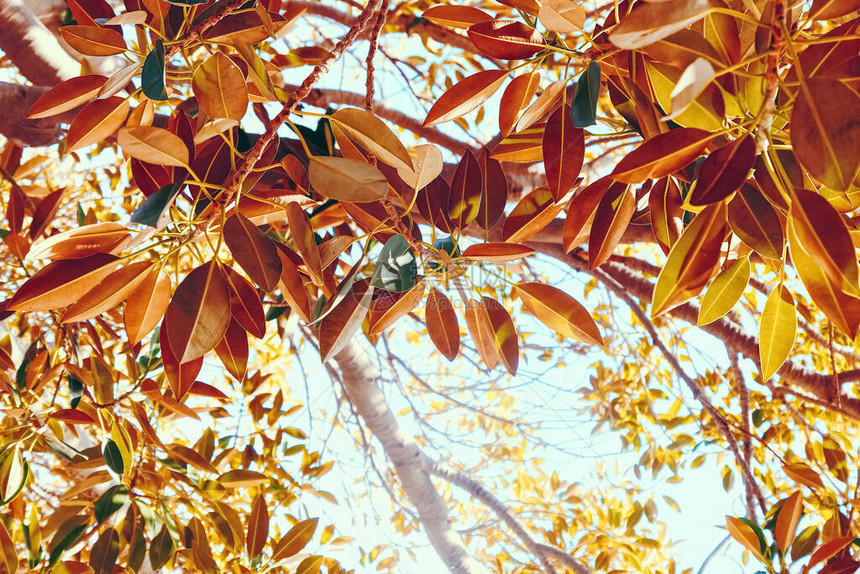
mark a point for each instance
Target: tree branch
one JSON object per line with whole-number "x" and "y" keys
{"x": 32, "y": 48}
{"x": 360, "y": 381}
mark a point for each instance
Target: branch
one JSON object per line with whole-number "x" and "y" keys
{"x": 15, "y": 102}
{"x": 542, "y": 551}
{"x": 32, "y": 48}
{"x": 360, "y": 381}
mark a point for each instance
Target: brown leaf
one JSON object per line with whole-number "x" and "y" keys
{"x": 724, "y": 171}
{"x": 61, "y": 283}
{"x": 665, "y": 206}
{"x": 96, "y": 122}
{"x": 466, "y": 190}
{"x": 456, "y": 16}
{"x": 82, "y": 241}
{"x": 346, "y": 179}
{"x": 146, "y": 305}
{"x": 258, "y": 527}
{"x": 611, "y": 218}
{"x": 115, "y": 289}
{"x": 294, "y": 540}
{"x": 389, "y": 306}
{"x": 153, "y": 145}
{"x": 649, "y": 22}
{"x": 253, "y": 250}
{"x": 220, "y": 89}
{"x": 662, "y": 155}
{"x": 198, "y": 313}
{"x": 94, "y": 40}
{"x": 66, "y": 96}
{"x": 442, "y": 324}
{"x": 516, "y": 96}
{"x": 505, "y": 337}
{"x": 339, "y": 326}
{"x": 494, "y": 191}
{"x": 373, "y": 135}
{"x": 506, "y": 40}
{"x": 233, "y": 350}
{"x": 293, "y": 289}
{"x": 559, "y": 311}
{"x": 790, "y": 512}
{"x": 755, "y": 221}
{"x": 581, "y": 209}
{"x": 481, "y": 331}
{"x": 563, "y": 152}
{"x": 465, "y": 96}
{"x": 530, "y": 215}
{"x": 497, "y": 252}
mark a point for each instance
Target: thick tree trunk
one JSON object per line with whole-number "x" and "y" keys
{"x": 360, "y": 380}
{"x": 32, "y": 47}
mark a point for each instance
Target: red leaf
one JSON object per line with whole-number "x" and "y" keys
{"x": 563, "y": 152}
{"x": 506, "y": 40}
{"x": 442, "y": 324}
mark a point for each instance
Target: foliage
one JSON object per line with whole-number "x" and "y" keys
{"x": 669, "y": 150}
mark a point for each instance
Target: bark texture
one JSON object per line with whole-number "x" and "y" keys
{"x": 32, "y": 47}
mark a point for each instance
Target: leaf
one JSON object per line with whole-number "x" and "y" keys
{"x": 198, "y": 313}
{"x": 339, "y": 326}
{"x": 190, "y": 456}
{"x": 506, "y": 40}
{"x": 692, "y": 261}
{"x": 515, "y": 97}
{"x": 242, "y": 478}
{"x": 93, "y": 40}
{"x": 45, "y": 212}
{"x": 562, "y": 17}
{"x": 724, "y": 292}
{"x": 146, "y": 305}
{"x": 690, "y": 85}
{"x": 153, "y": 145}
{"x": 81, "y": 241}
{"x": 442, "y": 324}
{"x": 777, "y": 331}
{"x": 346, "y": 179}
{"x": 583, "y": 111}
{"x": 152, "y": 75}
{"x": 821, "y": 231}
{"x": 150, "y": 211}
{"x": 456, "y": 16}
{"x": 546, "y": 101}
{"x": 104, "y": 552}
{"x": 497, "y": 252}
{"x": 61, "y": 283}
{"x": 521, "y": 147}
{"x": 755, "y": 221}
{"x": 494, "y": 191}
{"x": 581, "y": 209}
{"x": 303, "y": 236}
{"x": 254, "y": 251}
{"x": 724, "y": 171}
{"x": 14, "y": 471}
{"x": 72, "y": 417}
{"x": 666, "y": 211}
{"x": 534, "y": 212}
{"x": 110, "y": 501}
{"x": 219, "y": 86}
{"x": 396, "y": 267}
{"x": 8, "y": 551}
{"x": 559, "y": 311}
{"x": 432, "y": 202}
{"x": 466, "y": 188}
{"x": 563, "y": 152}
{"x": 310, "y": 565}
{"x": 233, "y": 350}
{"x": 258, "y": 527}
{"x": 427, "y": 165}
{"x": 161, "y": 549}
{"x": 96, "y": 121}
{"x": 804, "y": 543}
{"x": 824, "y": 135}
{"x": 481, "y": 331}
{"x": 293, "y": 289}
{"x": 504, "y": 333}
{"x": 66, "y": 96}
{"x": 741, "y": 531}
{"x": 830, "y": 9}
{"x": 374, "y": 135}
{"x": 115, "y": 289}
{"x": 649, "y": 22}
{"x": 611, "y": 218}
{"x": 828, "y": 550}
{"x": 662, "y": 155}
{"x": 388, "y": 307}
{"x": 465, "y": 96}
{"x": 294, "y": 540}
{"x": 786, "y": 523}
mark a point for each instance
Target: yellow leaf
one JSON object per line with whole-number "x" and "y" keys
{"x": 777, "y": 331}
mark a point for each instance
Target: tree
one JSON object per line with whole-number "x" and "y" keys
{"x": 696, "y": 161}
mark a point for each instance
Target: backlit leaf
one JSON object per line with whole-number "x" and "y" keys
{"x": 755, "y": 221}
{"x": 96, "y": 122}
{"x": 427, "y": 165}
{"x": 374, "y": 135}
{"x": 105, "y": 552}
{"x": 466, "y": 190}
{"x": 649, "y": 22}
{"x": 220, "y": 89}
{"x": 456, "y": 16}
{"x": 745, "y": 534}
{"x": 724, "y": 171}
{"x": 94, "y": 40}
{"x": 534, "y": 212}
{"x": 115, "y": 289}
{"x": 465, "y": 96}
{"x": 294, "y": 540}
{"x": 515, "y": 97}
{"x": 339, "y": 326}
{"x": 442, "y": 325}
{"x": 563, "y": 152}
{"x": 505, "y": 337}
{"x": 611, "y": 218}
{"x": 777, "y": 330}
{"x": 258, "y": 527}
{"x": 506, "y": 40}
{"x": 66, "y": 96}
{"x": 786, "y": 523}
{"x": 559, "y": 311}
{"x": 153, "y": 145}
{"x": 497, "y": 252}
{"x": 61, "y": 283}
{"x": 725, "y": 291}
{"x": 346, "y": 179}
{"x": 494, "y": 191}
{"x": 146, "y": 305}
{"x": 253, "y": 250}
{"x": 662, "y": 155}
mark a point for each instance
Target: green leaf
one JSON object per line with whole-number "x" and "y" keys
{"x": 583, "y": 111}
{"x": 113, "y": 457}
{"x": 152, "y": 76}
{"x": 105, "y": 552}
{"x": 396, "y": 269}
{"x": 110, "y": 501}
{"x": 149, "y": 212}
{"x": 161, "y": 549}
{"x": 67, "y": 534}
{"x": 76, "y": 391}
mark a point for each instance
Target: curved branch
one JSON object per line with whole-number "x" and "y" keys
{"x": 31, "y": 46}
{"x": 360, "y": 383}
{"x": 15, "y": 102}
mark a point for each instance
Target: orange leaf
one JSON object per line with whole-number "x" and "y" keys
{"x": 506, "y": 40}
{"x": 198, "y": 313}
{"x": 724, "y": 171}
{"x": 662, "y": 155}
{"x": 61, "y": 283}
{"x": 581, "y": 209}
{"x": 530, "y": 215}
{"x": 146, "y": 305}
{"x": 665, "y": 204}
{"x": 94, "y": 40}
{"x": 115, "y": 289}
{"x": 96, "y": 122}
{"x": 153, "y": 145}
{"x": 786, "y": 523}
{"x": 342, "y": 322}
{"x": 456, "y": 16}
{"x": 518, "y": 93}
{"x": 253, "y": 250}
{"x": 611, "y": 218}
{"x": 220, "y": 89}
{"x": 233, "y": 350}
{"x": 828, "y": 550}
{"x": 465, "y": 96}
{"x": 563, "y": 152}
{"x": 389, "y": 306}
{"x": 73, "y": 417}
{"x": 481, "y": 330}
{"x": 803, "y": 474}
{"x": 494, "y": 191}
{"x": 755, "y": 221}
{"x": 66, "y": 96}
{"x": 303, "y": 236}
{"x": 465, "y": 193}
{"x": 497, "y": 252}
{"x": 442, "y": 324}
{"x": 559, "y": 311}
{"x": 294, "y": 540}
{"x": 743, "y": 533}
{"x": 293, "y": 288}
{"x": 81, "y": 241}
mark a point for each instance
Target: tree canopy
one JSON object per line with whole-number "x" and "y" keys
{"x": 197, "y": 217}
